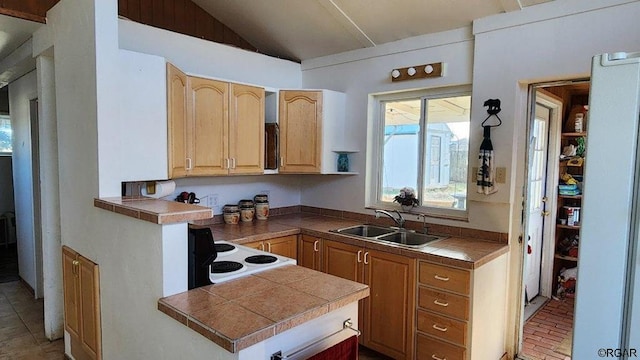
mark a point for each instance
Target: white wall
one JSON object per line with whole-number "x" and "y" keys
{"x": 21, "y": 92}
{"x": 209, "y": 59}
{"x": 50, "y": 199}
{"x": 283, "y": 190}
{"x": 550, "y": 44}
{"x": 361, "y": 73}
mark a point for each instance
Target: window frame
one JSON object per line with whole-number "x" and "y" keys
{"x": 375, "y": 150}
{"x": 7, "y": 153}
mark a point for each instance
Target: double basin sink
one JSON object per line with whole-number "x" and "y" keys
{"x": 402, "y": 237}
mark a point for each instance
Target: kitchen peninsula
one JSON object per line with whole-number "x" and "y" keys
{"x": 474, "y": 260}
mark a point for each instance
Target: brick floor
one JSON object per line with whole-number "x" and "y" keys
{"x": 544, "y": 331}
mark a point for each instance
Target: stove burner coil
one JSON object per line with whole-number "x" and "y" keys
{"x": 221, "y": 248}
{"x": 261, "y": 259}
{"x": 221, "y": 267}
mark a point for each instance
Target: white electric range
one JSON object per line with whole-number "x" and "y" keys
{"x": 234, "y": 261}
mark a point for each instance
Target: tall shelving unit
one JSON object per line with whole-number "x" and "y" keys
{"x": 566, "y": 255}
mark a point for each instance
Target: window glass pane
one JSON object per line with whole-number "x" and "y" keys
{"x": 446, "y": 153}
{"x": 401, "y": 142}
{"x": 5, "y": 134}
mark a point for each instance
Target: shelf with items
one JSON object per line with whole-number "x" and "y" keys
{"x": 565, "y": 257}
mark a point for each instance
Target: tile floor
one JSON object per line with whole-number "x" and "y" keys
{"x": 545, "y": 331}
{"x": 22, "y": 326}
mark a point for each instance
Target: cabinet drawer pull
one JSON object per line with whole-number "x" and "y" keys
{"x": 262, "y": 246}
{"x": 434, "y": 357}
{"x": 281, "y": 161}
{"x": 233, "y": 163}
{"x": 439, "y": 328}
{"x": 189, "y": 164}
{"x": 315, "y": 246}
{"x": 226, "y": 163}
{"x": 359, "y": 256}
{"x": 441, "y": 278}
{"x": 440, "y": 303}
{"x": 366, "y": 262}
{"x": 269, "y": 247}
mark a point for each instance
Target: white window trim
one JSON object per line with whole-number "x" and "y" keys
{"x": 375, "y": 157}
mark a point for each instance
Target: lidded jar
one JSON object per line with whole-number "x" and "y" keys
{"x": 262, "y": 206}
{"x": 231, "y": 214}
{"x": 247, "y": 210}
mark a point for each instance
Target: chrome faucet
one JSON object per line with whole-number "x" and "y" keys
{"x": 399, "y": 220}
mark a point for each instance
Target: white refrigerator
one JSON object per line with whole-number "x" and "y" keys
{"x": 607, "y": 309}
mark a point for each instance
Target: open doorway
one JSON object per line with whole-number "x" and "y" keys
{"x": 551, "y": 219}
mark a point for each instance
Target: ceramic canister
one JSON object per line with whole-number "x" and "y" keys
{"x": 231, "y": 214}
{"x": 262, "y": 206}
{"x": 247, "y": 210}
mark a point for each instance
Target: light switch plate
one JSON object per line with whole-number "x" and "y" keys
{"x": 501, "y": 175}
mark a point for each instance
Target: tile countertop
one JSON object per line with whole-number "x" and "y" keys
{"x": 154, "y": 210}
{"x": 463, "y": 252}
{"x": 235, "y": 315}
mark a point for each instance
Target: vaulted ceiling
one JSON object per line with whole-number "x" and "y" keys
{"x": 289, "y": 29}
{"x": 301, "y": 30}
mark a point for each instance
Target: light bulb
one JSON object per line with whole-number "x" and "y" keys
{"x": 428, "y": 69}
{"x": 411, "y": 71}
{"x": 395, "y": 74}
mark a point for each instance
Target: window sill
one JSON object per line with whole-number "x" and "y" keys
{"x": 445, "y": 214}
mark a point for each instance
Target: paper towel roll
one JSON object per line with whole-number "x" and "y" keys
{"x": 163, "y": 188}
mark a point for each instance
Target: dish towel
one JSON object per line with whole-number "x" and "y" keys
{"x": 344, "y": 350}
{"x": 486, "y": 165}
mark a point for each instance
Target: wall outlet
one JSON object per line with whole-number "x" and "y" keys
{"x": 212, "y": 200}
{"x": 501, "y": 175}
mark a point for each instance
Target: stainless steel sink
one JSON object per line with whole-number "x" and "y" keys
{"x": 368, "y": 231}
{"x": 411, "y": 239}
{"x": 407, "y": 238}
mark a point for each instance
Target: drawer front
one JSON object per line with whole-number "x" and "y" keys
{"x": 441, "y": 302}
{"x": 430, "y": 348}
{"x": 444, "y": 277}
{"x": 442, "y": 327}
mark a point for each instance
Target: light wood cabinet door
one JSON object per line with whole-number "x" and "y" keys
{"x": 208, "y": 113}
{"x": 300, "y": 131}
{"x": 343, "y": 260}
{"x": 89, "y": 278}
{"x": 246, "y": 129}
{"x": 71, "y": 292}
{"x": 390, "y": 308}
{"x": 310, "y": 252}
{"x": 258, "y": 245}
{"x": 81, "y": 288}
{"x": 177, "y": 121}
{"x": 284, "y": 246}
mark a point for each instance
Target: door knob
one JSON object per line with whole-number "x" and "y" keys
{"x": 545, "y": 213}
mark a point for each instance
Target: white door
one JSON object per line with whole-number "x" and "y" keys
{"x": 538, "y": 214}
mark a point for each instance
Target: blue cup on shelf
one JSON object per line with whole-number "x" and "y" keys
{"x": 343, "y": 162}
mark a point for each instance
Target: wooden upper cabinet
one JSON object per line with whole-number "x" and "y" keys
{"x": 207, "y": 112}
{"x": 81, "y": 289}
{"x": 215, "y": 127}
{"x": 246, "y": 129}
{"x": 177, "y": 121}
{"x": 300, "y": 131}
